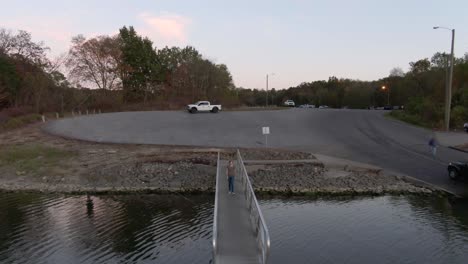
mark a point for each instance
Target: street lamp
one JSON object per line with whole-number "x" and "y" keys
{"x": 448, "y": 93}
{"x": 388, "y": 94}
{"x": 267, "y": 88}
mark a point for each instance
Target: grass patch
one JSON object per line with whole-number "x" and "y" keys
{"x": 32, "y": 158}
{"x": 408, "y": 118}
{"x": 20, "y": 121}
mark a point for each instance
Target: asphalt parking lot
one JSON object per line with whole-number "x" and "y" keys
{"x": 360, "y": 135}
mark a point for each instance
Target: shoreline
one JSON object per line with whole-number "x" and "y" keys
{"x": 34, "y": 161}
{"x": 79, "y": 190}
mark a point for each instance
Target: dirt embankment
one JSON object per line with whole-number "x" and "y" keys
{"x": 31, "y": 160}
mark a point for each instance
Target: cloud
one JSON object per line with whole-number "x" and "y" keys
{"x": 166, "y": 28}
{"x": 54, "y": 32}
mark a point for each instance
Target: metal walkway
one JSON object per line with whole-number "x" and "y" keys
{"x": 239, "y": 231}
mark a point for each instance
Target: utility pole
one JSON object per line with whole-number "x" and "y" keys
{"x": 266, "y": 99}
{"x": 448, "y": 91}
{"x": 266, "y": 96}
{"x": 388, "y": 97}
{"x": 447, "y": 73}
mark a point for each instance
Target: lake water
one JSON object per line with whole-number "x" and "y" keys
{"x": 38, "y": 228}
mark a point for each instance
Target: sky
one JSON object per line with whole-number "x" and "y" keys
{"x": 297, "y": 40}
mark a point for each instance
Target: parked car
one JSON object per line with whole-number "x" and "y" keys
{"x": 323, "y": 106}
{"x": 289, "y": 103}
{"x": 458, "y": 170}
{"x": 465, "y": 127}
{"x": 307, "y": 106}
{"x": 203, "y": 106}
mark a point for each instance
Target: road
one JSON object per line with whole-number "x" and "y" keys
{"x": 358, "y": 135}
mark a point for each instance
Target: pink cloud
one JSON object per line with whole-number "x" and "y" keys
{"x": 54, "y": 32}
{"x": 166, "y": 28}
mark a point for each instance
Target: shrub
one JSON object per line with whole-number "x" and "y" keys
{"x": 16, "y": 111}
{"x": 18, "y": 122}
{"x": 459, "y": 116}
{"x": 431, "y": 114}
{"x": 409, "y": 118}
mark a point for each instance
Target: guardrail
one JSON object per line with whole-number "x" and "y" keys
{"x": 215, "y": 221}
{"x": 256, "y": 216}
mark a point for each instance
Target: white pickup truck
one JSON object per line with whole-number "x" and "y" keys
{"x": 203, "y": 106}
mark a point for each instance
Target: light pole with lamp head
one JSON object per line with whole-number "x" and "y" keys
{"x": 388, "y": 94}
{"x": 448, "y": 100}
{"x": 266, "y": 97}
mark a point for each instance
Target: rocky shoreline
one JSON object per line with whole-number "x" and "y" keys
{"x": 312, "y": 179}
{"x": 111, "y": 168}
{"x": 190, "y": 178}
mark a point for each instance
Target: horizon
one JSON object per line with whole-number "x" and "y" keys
{"x": 254, "y": 39}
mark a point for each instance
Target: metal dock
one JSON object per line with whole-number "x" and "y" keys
{"x": 240, "y": 234}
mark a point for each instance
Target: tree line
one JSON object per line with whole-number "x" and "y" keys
{"x": 128, "y": 72}
{"x": 120, "y": 72}
{"x": 421, "y": 91}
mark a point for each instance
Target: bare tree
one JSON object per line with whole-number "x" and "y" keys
{"x": 21, "y": 46}
{"x": 6, "y": 41}
{"x": 58, "y": 62}
{"x": 95, "y": 61}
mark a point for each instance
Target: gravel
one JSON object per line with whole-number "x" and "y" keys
{"x": 309, "y": 178}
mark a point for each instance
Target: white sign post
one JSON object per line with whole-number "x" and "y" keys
{"x": 266, "y": 132}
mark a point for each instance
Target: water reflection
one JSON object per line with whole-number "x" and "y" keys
{"x": 390, "y": 229}
{"x": 177, "y": 229}
{"x": 89, "y": 206}
{"x": 105, "y": 229}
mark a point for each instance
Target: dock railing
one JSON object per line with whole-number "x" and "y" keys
{"x": 256, "y": 216}
{"x": 215, "y": 219}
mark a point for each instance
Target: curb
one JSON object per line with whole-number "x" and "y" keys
{"x": 273, "y": 162}
{"x": 458, "y": 149}
{"x": 421, "y": 183}
{"x": 347, "y": 164}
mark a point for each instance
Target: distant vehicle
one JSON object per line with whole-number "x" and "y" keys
{"x": 388, "y": 107}
{"x": 465, "y": 127}
{"x": 323, "y": 106}
{"x": 458, "y": 170}
{"x": 289, "y": 103}
{"x": 307, "y": 106}
{"x": 203, "y": 106}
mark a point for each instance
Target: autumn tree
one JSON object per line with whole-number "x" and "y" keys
{"x": 141, "y": 73}
{"x": 96, "y": 61}
{"x": 193, "y": 77}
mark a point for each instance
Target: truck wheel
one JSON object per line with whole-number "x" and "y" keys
{"x": 453, "y": 174}
{"x": 193, "y": 110}
{"x": 215, "y": 110}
